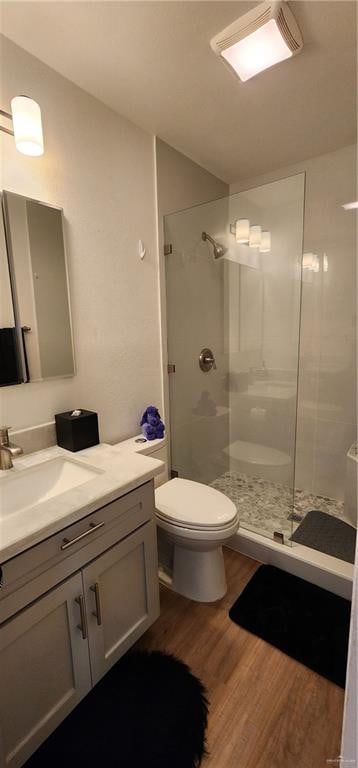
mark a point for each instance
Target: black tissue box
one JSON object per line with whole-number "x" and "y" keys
{"x": 77, "y": 432}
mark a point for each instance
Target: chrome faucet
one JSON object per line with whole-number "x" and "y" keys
{"x": 7, "y": 449}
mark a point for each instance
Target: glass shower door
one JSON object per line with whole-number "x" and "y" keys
{"x": 263, "y": 296}
{"x": 199, "y": 411}
{"x": 233, "y": 424}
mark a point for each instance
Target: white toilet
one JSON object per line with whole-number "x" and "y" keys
{"x": 197, "y": 520}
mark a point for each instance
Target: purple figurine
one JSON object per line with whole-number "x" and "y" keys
{"x": 151, "y": 423}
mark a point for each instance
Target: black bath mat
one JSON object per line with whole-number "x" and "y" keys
{"x": 302, "y": 620}
{"x": 327, "y": 534}
{"x": 149, "y": 711}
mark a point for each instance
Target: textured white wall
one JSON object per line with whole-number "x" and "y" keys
{"x": 100, "y": 168}
{"x": 327, "y": 417}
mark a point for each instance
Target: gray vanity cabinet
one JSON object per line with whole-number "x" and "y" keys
{"x": 42, "y": 652}
{"x": 58, "y": 644}
{"x": 122, "y": 598}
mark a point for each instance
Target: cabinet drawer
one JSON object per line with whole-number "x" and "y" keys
{"x": 36, "y": 570}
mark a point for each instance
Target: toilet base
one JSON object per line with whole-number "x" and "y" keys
{"x": 199, "y": 575}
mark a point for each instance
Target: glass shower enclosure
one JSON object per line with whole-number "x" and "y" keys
{"x": 233, "y": 280}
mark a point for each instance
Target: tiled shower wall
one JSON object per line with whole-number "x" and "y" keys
{"x": 327, "y": 416}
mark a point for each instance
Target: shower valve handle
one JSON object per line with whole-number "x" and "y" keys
{"x": 207, "y": 360}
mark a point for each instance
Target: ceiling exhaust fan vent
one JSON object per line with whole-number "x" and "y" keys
{"x": 237, "y": 33}
{"x": 261, "y": 38}
{"x": 287, "y": 32}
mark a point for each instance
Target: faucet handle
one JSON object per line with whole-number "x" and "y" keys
{"x": 4, "y": 435}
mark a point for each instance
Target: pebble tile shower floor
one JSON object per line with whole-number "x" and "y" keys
{"x": 265, "y": 507}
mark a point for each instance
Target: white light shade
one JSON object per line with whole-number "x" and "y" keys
{"x": 255, "y": 236}
{"x": 26, "y": 117}
{"x": 308, "y": 260}
{"x": 258, "y": 51}
{"x": 350, "y": 206}
{"x": 265, "y": 245}
{"x": 242, "y": 231}
{"x": 325, "y": 263}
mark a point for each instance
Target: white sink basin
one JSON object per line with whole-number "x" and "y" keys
{"x": 22, "y": 489}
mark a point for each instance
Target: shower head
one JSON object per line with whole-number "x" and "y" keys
{"x": 219, "y": 250}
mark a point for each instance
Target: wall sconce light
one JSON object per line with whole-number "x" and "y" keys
{"x": 255, "y": 236}
{"x": 27, "y": 125}
{"x": 242, "y": 231}
{"x": 310, "y": 262}
{"x": 350, "y": 206}
{"x": 265, "y": 245}
{"x": 307, "y": 261}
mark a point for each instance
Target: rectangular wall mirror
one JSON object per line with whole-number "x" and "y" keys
{"x": 10, "y": 367}
{"x": 36, "y": 331}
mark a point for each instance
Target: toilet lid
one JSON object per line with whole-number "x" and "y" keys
{"x": 193, "y": 504}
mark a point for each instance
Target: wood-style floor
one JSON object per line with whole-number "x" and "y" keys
{"x": 266, "y": 710}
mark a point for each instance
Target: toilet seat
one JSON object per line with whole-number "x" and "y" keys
{"x": 197, "y": 528}
{"x": 185, "y": 503}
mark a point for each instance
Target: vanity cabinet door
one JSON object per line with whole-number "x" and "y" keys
{"x": 122, "y": 596}
{"x": 44, "y": 670}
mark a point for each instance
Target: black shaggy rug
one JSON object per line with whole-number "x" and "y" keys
{"x": 301, "y": 619}
{"x": 149, "y": 711}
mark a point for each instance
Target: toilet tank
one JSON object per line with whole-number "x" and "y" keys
{"x": 158, "y": 449}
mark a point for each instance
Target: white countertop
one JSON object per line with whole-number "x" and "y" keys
{"x": 120, "y": 472}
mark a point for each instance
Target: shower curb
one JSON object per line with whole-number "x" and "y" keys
{"x": 328, "y": 572}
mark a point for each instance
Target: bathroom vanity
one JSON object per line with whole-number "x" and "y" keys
{"x": 77, "y": 589}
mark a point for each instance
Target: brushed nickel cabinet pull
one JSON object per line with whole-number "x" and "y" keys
{"x": 98, "y": 612}
{"x": 93, "y": 527}
{"x": 83, "y": 626}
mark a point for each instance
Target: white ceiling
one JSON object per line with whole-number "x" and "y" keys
{"x": 151, "y": 62}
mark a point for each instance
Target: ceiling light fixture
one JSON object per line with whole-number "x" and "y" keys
{"x": 256, "y": 41}
{"x": 350, "y": 206}
{"x": 27, "y": 125}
